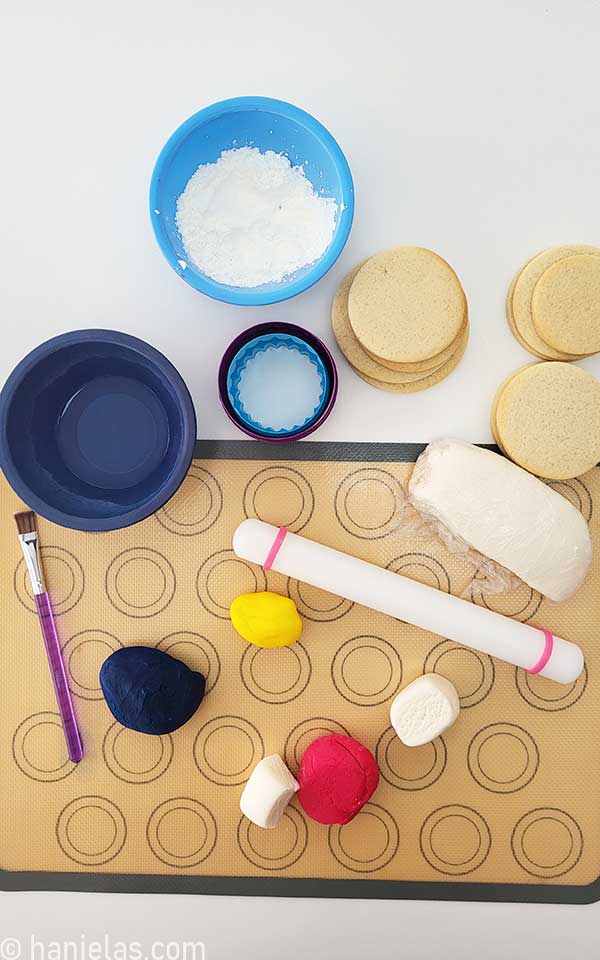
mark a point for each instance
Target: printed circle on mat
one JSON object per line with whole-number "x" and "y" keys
{"x": 281, "y": 496}
{"x": 181, "y": 832}
{"x": 317, "y": 605}
{"x": 91, "y": 831}
{"x": 366, "y": 670}
{"x": 410, "y": 768}
{"x": 471, "y": 672}
{"x": 520, "y": 604}
{"x": 368, "y": 842}
{"x": 196, "y": 652}
{"x": 39, "y": 749}
{"x": 196, "y": 506}
{"x": 303, "y": 734}
{"x": 64, "y": 576}
{"x": 83, "y": 655}
{"x": 422, "y": 567}
{"x": 547, "y": 842}
{"x": 546, "y": 695}
{"x": 226, "y": 749}
{"x": 222, "y": 577}
{"x": 369, "y": 503}
{"x": 276, "y": 676}
{"x": 274, "y": 849}
{"x": 576, "y": 491}
{"x": 455, "y": 840}
{"x": 140, "y": 582}
{"x": 136, "y": 759}
{"x": 503, "y": 757}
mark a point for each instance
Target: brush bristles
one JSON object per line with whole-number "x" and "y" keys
{"x": 25, "y": 522}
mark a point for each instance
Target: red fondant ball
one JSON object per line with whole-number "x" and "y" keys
{"x": 337, "y": 776}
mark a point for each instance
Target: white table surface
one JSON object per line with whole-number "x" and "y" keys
{"x": 471, "y": 127}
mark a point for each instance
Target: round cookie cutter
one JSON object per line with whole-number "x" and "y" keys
{"x": 250, "y": 343}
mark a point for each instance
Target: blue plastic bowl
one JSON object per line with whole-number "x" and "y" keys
{"x": 97, "y": 430}
{"x": 269, "y": 125}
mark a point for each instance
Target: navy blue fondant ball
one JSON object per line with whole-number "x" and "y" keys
{"x": 149, "y": 691}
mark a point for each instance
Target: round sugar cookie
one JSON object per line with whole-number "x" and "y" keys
{"x": 358, "y": 358}
{"x": 426, "y": 366}
{"x": 406, "y": 305}
{"x": 427, "y": 381}
{"x": 519, "y": 307}
{"x": 566, "y": 304}
{"x": 493, "y": 423}
{"x": 513, "y": 327}
{"x": 547, "y": 419}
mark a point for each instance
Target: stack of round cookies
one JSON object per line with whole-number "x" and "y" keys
{"x": 553, "y": 304}
{"x": 400, "y": 318}
{"x": 546, "y": 418}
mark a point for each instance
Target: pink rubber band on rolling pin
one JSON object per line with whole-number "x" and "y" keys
{"x": 281, "y": 535}
{"x": 546, "y": 653}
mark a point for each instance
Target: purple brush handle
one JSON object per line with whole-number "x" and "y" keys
{"x": 59, "y": 677}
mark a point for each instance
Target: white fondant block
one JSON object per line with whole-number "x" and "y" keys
{"x": 505, "y": 513}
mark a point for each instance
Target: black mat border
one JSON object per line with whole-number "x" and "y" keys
{"x": 301, "y": 887}
{"x": 312, "y": 450}
{"x": 304, "y": 887}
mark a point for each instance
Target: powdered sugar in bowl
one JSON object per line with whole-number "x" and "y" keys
{"x": 251, "y": 201}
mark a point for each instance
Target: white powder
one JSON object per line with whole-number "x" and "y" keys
{"x": 253, "y": 218}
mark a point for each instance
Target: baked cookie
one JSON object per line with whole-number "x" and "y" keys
{"x": 546, "y": 417}
{"x": 519, "y": 301}
{"x": 358, "y": 358}
{"x": 566, "y": 304}
{"x": 407, "y": 306}
{"x": 428, "y": 380}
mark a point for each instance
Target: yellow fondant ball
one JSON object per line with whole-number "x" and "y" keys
{"x": 266, "y": 619}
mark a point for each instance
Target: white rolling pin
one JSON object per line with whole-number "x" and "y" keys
{"x": 533, "y": 648}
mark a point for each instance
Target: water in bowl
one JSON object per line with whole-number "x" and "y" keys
{"x": 113, "y": 432}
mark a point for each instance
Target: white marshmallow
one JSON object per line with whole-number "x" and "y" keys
{"x": 424, "y": 709}
{"x": 268, "y": 792}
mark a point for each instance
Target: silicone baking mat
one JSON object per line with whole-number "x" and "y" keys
{"x": 506, "y": 805}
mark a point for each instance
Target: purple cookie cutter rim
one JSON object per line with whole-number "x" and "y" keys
{"x": 259, "y": 330}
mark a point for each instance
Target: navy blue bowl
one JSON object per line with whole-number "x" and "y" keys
{"x": 97, "y": 430}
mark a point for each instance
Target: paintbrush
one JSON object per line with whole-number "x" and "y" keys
{"x": 29, "y": 540}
